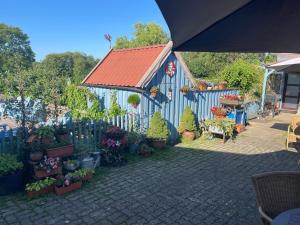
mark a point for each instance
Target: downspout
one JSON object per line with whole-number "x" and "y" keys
{"x": 267, "y": 73}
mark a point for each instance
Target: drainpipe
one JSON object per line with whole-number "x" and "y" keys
{"x": 267, "y": 73}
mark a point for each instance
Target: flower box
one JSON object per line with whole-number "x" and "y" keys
{"x": 231, "y": 102}
{"x": 62, "y": 151}
{"x": 44, "y": 173}
{"x": 44, "y": 191}
{"x": 87, "y": 177}
{"x": 71, "y": 187}
{"x": 215, "y": 130}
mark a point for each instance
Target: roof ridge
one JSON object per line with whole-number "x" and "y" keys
{"x": 140, "y": 48}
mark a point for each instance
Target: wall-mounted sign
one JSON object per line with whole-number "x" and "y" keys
{"x": 170, "y": 69}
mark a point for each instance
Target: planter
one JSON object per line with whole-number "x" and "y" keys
{"x": 44, "y": 191}
{"x": 230, "y": 102}
{"x": 159, "y": 144}
{"x": 71, "y": 166}
{"x": 202, "y": 87}
{"x": 11, "y": 183}
{"x": 135, "y": 105}
{"x": 63, "y": 151}
{"x": 42, "y": 173}
{"x": 220, "y": 116}
{"x": 184, "y": 92}
{"x": 240, "y": 128}
{"x": 153, "y": 94}
{"x": 71, "y": 187}
{"x": 87, "y": 178}
{"x": 36, "y": 156}
{"x": 189, "y": 135}
{"x": 222, "y": 86}
{"x": 88, "y": 163}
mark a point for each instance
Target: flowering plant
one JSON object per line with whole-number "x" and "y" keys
{"x": 49, "y": 164}
{"x": 113, "y": 143}
{"x": 218, "y": 111}
{"x": 232, "y": 97}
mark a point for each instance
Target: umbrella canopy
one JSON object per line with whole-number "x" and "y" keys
{"x": 289, "y": 66}
{"x": 233, "y": 25}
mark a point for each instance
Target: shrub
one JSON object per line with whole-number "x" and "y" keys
{"x": 187, "y": 121}
{"x": 9, "y": 164}
{"x": 242, "y": 75}
{"x": 158, "y": 128}
{"x": 134, "y": 99}
{"x": 45, "y": 132}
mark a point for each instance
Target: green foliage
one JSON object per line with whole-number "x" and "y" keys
{"x": 77, "y": 99}
{"x": 227, "y": 125}
{"x": 72, "y": 66}
{"x": 14, "y": 44}
{"x": 187, "y": 121}
{"x": 158, "y": 128}
{"x": 114, "y": 109}
{"x": 134, "y": 99}
{"x": 81, "y": 173}
{"x": 144, "y": 35}
{"x": 242, "y": 75}
{"x": 208, "y": 65}
{"x": 9, "y": 164}
{"x": 45, "y": 132}
{"x": 41, "y": 184}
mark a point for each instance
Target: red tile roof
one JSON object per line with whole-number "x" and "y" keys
{"x": 125, "y": 67}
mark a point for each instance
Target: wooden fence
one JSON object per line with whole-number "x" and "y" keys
{"x": 84, "y": 135}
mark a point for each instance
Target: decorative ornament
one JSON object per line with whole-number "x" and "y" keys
{"x": 170, "y": 69}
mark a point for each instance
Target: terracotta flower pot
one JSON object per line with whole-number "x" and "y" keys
{"x": 189, "y": 135}
{"x": 222, "y": 86}
{"x": 71, "y": 187}
{"x": 43, "y": 173}
{"x": 135, "y": 105}
{"x": 44, "y": 191}
{"x": 62, "y": 151}
{"x": 153, "y": 94}
{"x": 220, "y": 116}
{"x": 202, "y": 87}
{"x": 36, "y": 156}
{"x": 159, "y": 144}
{"x": 239, "y": 128}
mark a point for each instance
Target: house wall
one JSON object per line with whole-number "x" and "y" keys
{"x": 171, "y": 109}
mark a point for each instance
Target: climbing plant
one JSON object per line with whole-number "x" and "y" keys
{"x": 114, "y": 109}
{"x": 82, "y": 103}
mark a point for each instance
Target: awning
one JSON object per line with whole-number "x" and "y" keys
{"x": 233, "y": 25}
{"x": 289, "y": 66}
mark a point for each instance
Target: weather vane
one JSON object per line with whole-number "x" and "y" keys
{"x": 108, "y": 38}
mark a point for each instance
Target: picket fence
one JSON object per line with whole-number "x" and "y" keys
{"x": 82, "y": 133}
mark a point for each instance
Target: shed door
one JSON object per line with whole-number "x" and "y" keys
{"x": 291, "y": 92}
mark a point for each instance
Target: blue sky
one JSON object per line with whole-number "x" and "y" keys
{"x": 55, "y": 26}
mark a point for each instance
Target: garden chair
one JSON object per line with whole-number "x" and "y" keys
{"x": 293, "y": 134}
{"x": 276, "y": 192}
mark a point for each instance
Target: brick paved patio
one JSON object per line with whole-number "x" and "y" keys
{"x": 205, "y": 182}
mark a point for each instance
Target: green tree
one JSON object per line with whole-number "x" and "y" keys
{"x": 243, "y": 75}
{"x": 144, "y": 35}
{"x": 72, "y": 66}
{"x": 15, "y": 52}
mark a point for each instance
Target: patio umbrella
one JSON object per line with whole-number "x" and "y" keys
{"x": 233, "y": 25}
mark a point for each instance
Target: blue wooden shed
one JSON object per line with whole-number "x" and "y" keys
{"x": 137, "y": 70}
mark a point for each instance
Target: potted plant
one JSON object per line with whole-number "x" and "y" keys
{"x": 218, "y": 112}
{"x": 187, "y": 125}
{"x": 61, "y": 133}
{"x": 154, "y": 91}
{"x": 11, "y": 174}
{"x": 40, "y": 187}
{"x": 60, "y": 149}
{"x": 134, "y": 140}
{"x": 232, "y": 100}
{"x": 227, "y": 126}
{"x": 47, "y": 167}
{"x": 36, "y": 153}
{"x": 222, "y": 85}
{"x": 45, "y": 134}
{"x": 84, "y": 174}
{"x": 145, "y": 150}
{"x": 67, "y": 183}
{"x": 134, "y": 100}
{"x": 185, "y": 89}
{"x": 158, "y": 131}
{"x": 71, "y": 164}
{"x": 202, "y": 85}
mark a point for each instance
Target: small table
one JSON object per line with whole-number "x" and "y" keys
{"x": 290, "y": 217}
